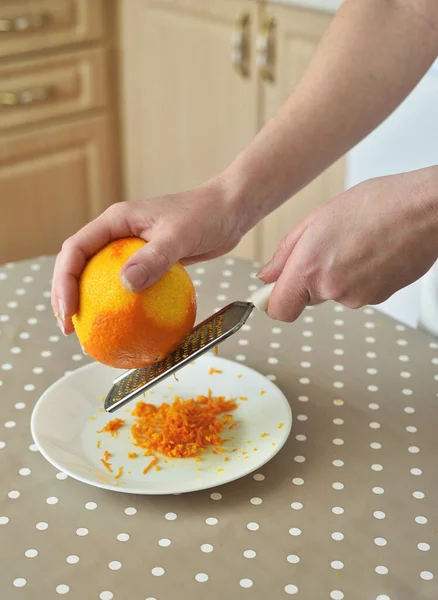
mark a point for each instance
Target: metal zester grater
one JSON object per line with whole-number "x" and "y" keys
{"x": 204, "y": 336}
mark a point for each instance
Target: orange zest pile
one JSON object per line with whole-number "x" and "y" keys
{"x": 184, "y": 428}
{"x": 113, "y": 427}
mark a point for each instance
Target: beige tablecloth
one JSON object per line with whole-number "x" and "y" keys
{"x": 348, "y": 509}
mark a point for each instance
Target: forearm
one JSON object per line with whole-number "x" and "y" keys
{"x": 372, "y": 55}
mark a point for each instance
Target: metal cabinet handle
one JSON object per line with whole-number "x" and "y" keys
{"x": 265, "y": 50}
{"x": 240, "y": 45}
{"x": 24, "y": 22}
{"x": 25, "y": 97}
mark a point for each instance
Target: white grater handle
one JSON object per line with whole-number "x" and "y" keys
{"x": 260, "y": 298}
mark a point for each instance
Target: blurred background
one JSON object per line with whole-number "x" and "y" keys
{"x": 110, "y": 100}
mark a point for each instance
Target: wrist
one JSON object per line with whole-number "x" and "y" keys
{"x": 426, "y": 184}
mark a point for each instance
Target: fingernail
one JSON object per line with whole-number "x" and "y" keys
{"x": 61, "y": 326}
{"x": 61, "y": 309}
{"x": 134, "y": 278}
{"x": 265, "y": 269}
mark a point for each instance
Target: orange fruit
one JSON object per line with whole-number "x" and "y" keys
{"x": 128, "y": 330}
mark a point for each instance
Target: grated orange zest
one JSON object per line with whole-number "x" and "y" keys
{"x": 119, "y": 473}
{"x": 113, "y": 427}
{"x": 150, "y": 465}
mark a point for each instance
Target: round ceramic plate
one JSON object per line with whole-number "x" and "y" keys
{"x": 68, "y": 415}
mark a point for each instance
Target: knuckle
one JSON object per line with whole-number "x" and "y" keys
{"x": 69, "y": 245}
{"x": 353, "y": 303}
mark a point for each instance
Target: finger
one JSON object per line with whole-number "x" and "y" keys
{"x": 151, "y": 262}
{"x": 271, "y": 271}
{"x": 290, "y": 295}
{"x": 75, "y": 253}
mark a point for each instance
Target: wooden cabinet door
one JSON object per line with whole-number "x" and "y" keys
{"x": 296, "y": 35}
{"x": 186, "y": 111}
{"x": 53, "y": 180}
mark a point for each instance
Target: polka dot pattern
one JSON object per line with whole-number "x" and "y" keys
{"x": 362, "y": 450}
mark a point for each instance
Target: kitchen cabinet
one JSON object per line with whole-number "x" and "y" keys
{"x": 194, "y": 95}
{"x": 58, "y": 123}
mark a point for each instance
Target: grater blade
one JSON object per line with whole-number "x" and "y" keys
{"x": 204, "y": 336}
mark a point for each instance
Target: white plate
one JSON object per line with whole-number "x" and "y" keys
{"x": 68, "y": 415}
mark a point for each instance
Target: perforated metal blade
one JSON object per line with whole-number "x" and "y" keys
{"x": 205, "y": 336}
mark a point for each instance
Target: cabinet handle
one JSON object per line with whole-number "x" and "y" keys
{"x": 25, "y": 97}
{"x": 240, "y": 45}
{"x": 265, "y": 50}
{"x": 23, "y": 23}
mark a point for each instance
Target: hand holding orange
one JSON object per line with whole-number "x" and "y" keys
{"x": 128, "y": 330}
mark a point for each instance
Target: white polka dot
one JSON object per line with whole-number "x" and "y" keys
{"x": 201, "y": 577}
{"x": 62, "y": 589}
{"x": 52, "y": 500}
{"x": 370, "y": 340}
{"x": 307, "y": 333}
{"x": 276, "y": 330}
{"x": 10, "y": 424}
{"x": 402, "y": 342}
{"x": 306, "y": 348}
{"x": 252, "y": 526}
{"x": 337, "y": 485}
{"x": 170, "y": 516}
{"x": 246, "y": 583}
{"x": 338, "y": 463}
{"x": 274, "y": 345}
{"x": 308, "y": 319}
{"x": 54, "y": 339}
{"x": 414, "y": 449}
{"x": 338, "y": 322}
{"x": 259, "y": 477}
{"x": 295, "y": 531}
{"x": 403, "y": 358}
{"x": 256, "y": 501}
{"x": 303, "y": 398}
{"x": 337, "y": 510}
{"x": 405, "y": 374}
{"x": 338, "y": 442}
{"x": 300, "y": 437}
{"x": 338, "y": 384}
{"x": 302, "y": 417}
{"x": 369, "y": 325}
{"x": 338, "y": 352}
{"x": 336, "y": 595}
{"x": 164, "y": 542}
{"x": 374, "y": 425}
{"x": 61, "y": 476}
{"x": 293, "y": 558}
{"x": 379, "y": 514}
{"x": 15, "y": 350}
{"x": 305, "y": 364}
{"x": 421, "y": 520}
{"x": 29, "y": 387}
{"x": 423, "y": 546}
{"x": 272, "y": 360}
{"x": 20, "y": 405}
{"x": 415, "y": 471}
{"x": 377, "y": 467}
{"x": 338, "y": 402}
{"x": 31, "y": 553}
{"x": 338, "y": 367}
{"x": 304, "y": 380}
{"x": 409, "y": 410}
{"x": 211, "y": 521}
{"x": 42, "y": 526}
{"x": 337, "y": 565}
{"x": 46, "y": 353}
{"x": 115, "y": 565}
{"x": 296, "y": 505}
{"x": 411, "y": 429}
{"x": 215, "y": 496}
{"x": 221, "y": 298}
{"x": 73, "y": 559}
{"x": 246, "y": 327}
{"x": 158, "y": 571}
{"x": 381, "y": 570}
{"x": 106, "y": 595}
{"x": 2, "y": 445}
{"x": 132, "y": 511}
{"x": 271, "y": 377}
{"x": 338, "y": 421}
{"x": 35, "y": 267}
{"x": 378, "y": 490}
{"x": 24, "y": 471}
{"x": 371, "y": 355}
{"x": 380, "y": 541}
{"x": 426, "y": 575}
{"x": 206, "y": 548}
{"x": 82, "y": 531}
{"x": 224, "y": 285}
{"x": 249, "y": 554}
{"x": 291, "y": 589}
{"x": 90, "y": 505}
{"x": 373, "y": 406}
{"x": 339, "y": 336}
{"x": 14, "y": 494}
{"x": 3, "y": 276}
{"x": 337, "y": 536}
{"x": 19, "y": 582}
{"x": 37, "y": 370}
{"x": 4, "y": 520}
{"x": 433, "y": 345}
{"x": 20, "y": 292}
{"x": 418, "y": 495}
{"x": 6, "y": 366}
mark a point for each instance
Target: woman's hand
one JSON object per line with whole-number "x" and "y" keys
{"x": 193, "y": 226}
{"x": 360, "y": 247}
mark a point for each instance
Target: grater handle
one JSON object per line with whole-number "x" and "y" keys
{"x": 260, "y": 298}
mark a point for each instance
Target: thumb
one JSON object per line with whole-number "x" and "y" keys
{"x": 273, "y": 268}
{"x": 149, "y": 264}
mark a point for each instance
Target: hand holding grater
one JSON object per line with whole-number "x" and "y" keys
{"x": 204, "y": 336}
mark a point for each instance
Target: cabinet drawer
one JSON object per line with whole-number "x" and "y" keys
{"x": 28, "y": 25}
{"x": 36, "y": 90}
{"x": 53, "y": 180}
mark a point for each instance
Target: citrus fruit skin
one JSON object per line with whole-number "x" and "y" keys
{"x": 128, "y": 330}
